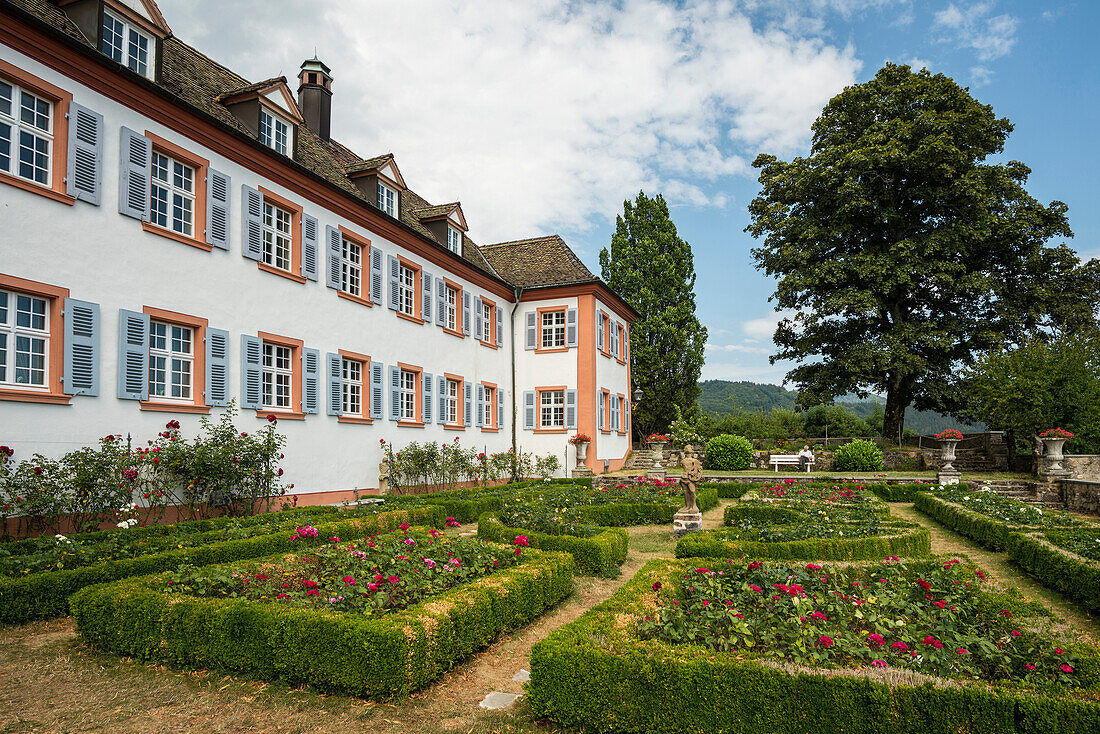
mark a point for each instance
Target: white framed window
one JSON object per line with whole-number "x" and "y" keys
{"x": 172, "y": 194}
{"x": 486, "y": 323}
{"x": 171, "y": 361}
{"x": 277, "y": 236}
{"x": 351, "y": 268}
{"x": 26, "y": 133}
{"x": 278, "y": 375}
{"x": 353, "y": 388}
{"x": 552, "y": 409}
{"x": 553, "y": 329}
{"x": 387, "y": 199}
{"x": 454, "y": 240}
{"x": 453, "y": 390}
{"x": 407, "y": 286}
{"x": 451, "y": 316}
{"x": 488, "y": 407}
{"x": 408, "y": 395}
{"x": 127, "y": 44}
{"x": 274, "y": 132}
{"x": 24, "y": 340}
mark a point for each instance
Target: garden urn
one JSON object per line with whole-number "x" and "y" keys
{"x": 948, "y": 453}
{"x": 658, "y": 448}
{"x": 1053, "y": 452}
{"x": 582, "y": 452}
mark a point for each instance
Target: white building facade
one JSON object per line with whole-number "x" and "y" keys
{"x": 174, "y": 238}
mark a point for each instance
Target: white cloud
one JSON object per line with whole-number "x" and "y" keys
{"x": 981, "y": 75}
{"x": 764, "y": 327}
{"x": 746, "y": 348}
{"x": 542, "y": 115}
{"x": 972, "y": 26}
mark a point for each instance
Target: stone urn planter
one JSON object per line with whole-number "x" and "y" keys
{"x": 657, "y": 447}
{"x": 1053, "y": 452}
{"x": 948, "y": 454}
{"x": 582, "y": 452}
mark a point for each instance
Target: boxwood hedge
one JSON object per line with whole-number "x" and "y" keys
{"x": 601, "y": 552}
{"x": 46, "y": 595}
{"x": 596, "y": 675}
{"x": 897, "y": 540}
{"x": 345, "y": 653}
{"x": 1075, "y": 576}
{"x": 982, "y": 529}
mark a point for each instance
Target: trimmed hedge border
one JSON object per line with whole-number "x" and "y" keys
{"x": 595, "y": 675}
{"x": 46, "y": 595}
{"x": 898, "y": 492}
{"x": 601, "y": 552}
{"x": 643, "y": 513}
{"x": 344, "y": 653}
{"x": 982, "y": 529}
{"x": 1075, "y": 576}
{"x": 912, "y": 542}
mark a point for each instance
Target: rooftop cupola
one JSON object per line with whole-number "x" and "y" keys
{"x": 315, "y": 96}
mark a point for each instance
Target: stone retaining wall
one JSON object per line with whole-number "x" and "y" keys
{"x": 1082, "y": 466}
{"x": 1081, "y": 496}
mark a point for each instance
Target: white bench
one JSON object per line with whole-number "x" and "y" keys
{"x": 788, "y": 459}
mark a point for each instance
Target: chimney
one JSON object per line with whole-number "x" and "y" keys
{"x": 315, "y": 96}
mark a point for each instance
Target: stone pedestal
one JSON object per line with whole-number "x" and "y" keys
{"x": 581, "y": 471}
{"x": 947, "y": 477}
{"x": 686, "y": 522}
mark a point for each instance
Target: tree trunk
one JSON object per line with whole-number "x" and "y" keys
{"x": 897, "y": 400}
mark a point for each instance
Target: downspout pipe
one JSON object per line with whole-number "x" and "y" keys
{"x": 519, "y": 294}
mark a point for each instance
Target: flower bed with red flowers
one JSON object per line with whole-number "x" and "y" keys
{"x": 745, "y": 646}
{"x": 327, "y": 627}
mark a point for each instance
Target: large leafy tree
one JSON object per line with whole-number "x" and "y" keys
{"x": 654, "y": 271}
{"x": 902, "y": 251}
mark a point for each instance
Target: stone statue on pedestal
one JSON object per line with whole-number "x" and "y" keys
{"x": 689, "y": 518}
{"x": 384, "y": 477}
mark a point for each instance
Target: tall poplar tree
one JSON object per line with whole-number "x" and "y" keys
{"x": 654, "y": 271}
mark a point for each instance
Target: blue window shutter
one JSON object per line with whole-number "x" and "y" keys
{"x": 393, "y": 269}
{"x": 133, "y": 355}
{"x": 599, "y": 409}
{"x": 311, "y": 380}
{"x": 375, "y": 275}
{"x": 626, "y": 414}
{"x": 376, "y": 390}
{"x": 311, "y": 259}
{"x": 529, "y": 407}
{"x": 252, "y": 226}
{"x": 468, "y": 404}
{"x": 133, "y": 175}
{"x": 465, "y": 313}
{"x": 441, "y": 415}
{"x": 599, "y": 330}
{"x": 252, "y": 349}
{"x": 335, "y": 248}
{"x": 571, "y": 408}
{"x": 335, "y": 384}
{"x": 85, "y": 164}
{"x": 478, "y": 325}
{"x": 395, "y": 392}
{"x": 500, "y": 325}
{"x": 500, "y": 408}
{"x": 218, "y": 186}
{"x": 614, "y": 339}
{"x": 426, "y": 298}
{"x": 440, "y": 302}
{"x": 426, "y": 415}
{"x": 570, "y": 327}
{"x": 532, "y": 318}
{"x": 81, "y": 374}
{"x": 479, "y": 413}
{"x": 217, "y": 367}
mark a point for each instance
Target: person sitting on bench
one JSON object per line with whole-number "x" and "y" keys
{"x": 805, "y": 457}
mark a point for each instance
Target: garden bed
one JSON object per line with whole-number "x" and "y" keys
{"x": 600, "y": 551}
{"x": 46, "y": 594}
{"x": 327, "y": 627}
{"x": 988, "y": 518}
{"x": 640, "y": 663}
{"x": 1065, "y": 560}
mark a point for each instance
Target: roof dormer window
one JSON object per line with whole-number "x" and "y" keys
{"x": 127, "y": 44}
{"x": 274, "y": 132}
{"x": 387, "y": 199}
{"x": 454, "y": 240}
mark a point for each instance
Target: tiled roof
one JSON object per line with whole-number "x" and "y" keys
{"x": 254, "y": 87}
{"x": 434, "y": 212}
{"x": 201, "y": 82}
{"x": 537, "y": 262}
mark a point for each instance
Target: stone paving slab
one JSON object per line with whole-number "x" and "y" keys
{"x": 498, "y": 700}
{"x": 522, "y": 676}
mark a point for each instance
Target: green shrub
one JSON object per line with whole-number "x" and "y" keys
{"x": 858, "y": 455}
{"x": 894, "y": 540}
{"x": 897, "y": 492}
{"x": 601, "y": 552}
{"x": 1075, "y": 576}
{"x": 729, "y": 453}
{"x": 346, "y": 653}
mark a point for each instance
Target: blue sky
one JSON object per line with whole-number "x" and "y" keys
{"x": 542, "y": 116}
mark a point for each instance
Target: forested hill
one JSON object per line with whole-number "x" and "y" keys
{"x": 719, "y": 397}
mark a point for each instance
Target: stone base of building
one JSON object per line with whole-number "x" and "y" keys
{"x": 944, "y": 478}
{"x": 686, "y": 522}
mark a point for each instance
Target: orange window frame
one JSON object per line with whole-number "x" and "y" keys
{"x": 539, "y": 349}
{"x": 296, "y": 345}
{"x": 418, "y": 291}
{"x": 295, "y": 272}
{"x": 493, "y": 425}
{"x": 457, "y": 331}
{"x": 418, "y": 401}
{"x": 200, "y": 164}
{"x": 198, "y": 328}
{"x": 364, "y": 268}
{"x": 59, "y": 153}
{"x": 623, "y": 340}
{"x": 492, "y": 343}
{"x": 460, "y": 404}
{"x": 538, "y": 408}
{"x": 55, "y": 369}
{"x": 365, "y": 398}
{"x": 605, "y": 328}
{"x": 606, "y": 398}
{"x": 622, "y": 413}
